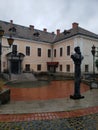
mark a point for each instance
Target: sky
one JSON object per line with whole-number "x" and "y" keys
{"x": 51, "y": 14}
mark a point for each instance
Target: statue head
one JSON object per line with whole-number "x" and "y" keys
{"x": 77, "y": 57}
{"x": 77, "y": 50}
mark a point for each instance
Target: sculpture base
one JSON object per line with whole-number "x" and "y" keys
{"x": 76, "y": 97}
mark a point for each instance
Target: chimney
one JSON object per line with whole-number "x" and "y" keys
{"x": 74, "y": 25}
{"x": 45, "y": 29}
{"x": 11, "y": 21}
{"x": 31, "y": 27}
{"x": 11, "y": 24}
{"x": 58, "y": 31}
{"x": 53, "y": 33}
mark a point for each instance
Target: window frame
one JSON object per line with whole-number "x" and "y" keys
{"x": 27, "y": 67}
{"x": 14, "y": 49}
{"x": 38, "y": 67}
{"x": 49, "y": 52}
{"x": 61, "y": 51}
{"x": 86, "y": 68}
{"x": 61, "y": 67}
{"x": 27, "y": 50}
{"x": 39, "y": 52}
{"x": 68, "y": 50}
{"x": 68, "y": 68}
{"x": 54, "y": 52}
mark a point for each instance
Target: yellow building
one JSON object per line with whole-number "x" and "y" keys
{"x": 41, "y": 51}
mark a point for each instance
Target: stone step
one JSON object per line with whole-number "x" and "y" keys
{"x": 23, "y": 77}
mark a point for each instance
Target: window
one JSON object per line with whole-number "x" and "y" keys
{"x": 60, "y": 67}
{"x": 39, "y": 51}
{"x": 61, "y": 51}
{"x": 39, "y": 67}
{"x": 27, "y": 50}
{"x": 68, "y": 50}
{"x": 14, "y": 49}
{"x": 49, "y": 52}
{"x": 54, "y": 52}
{"x": 12, "y": 29}
{"x": 27, "y": 67}
{"x": 67, "y": 68}
{"x": 36, "y": 34}
{"x": 86, "y": 68}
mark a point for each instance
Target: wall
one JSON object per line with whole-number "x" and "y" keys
{"x": 86, "y": 51}
{"x": 82, "y": 41}
{"x": 64, "y": 59}
{"x": 33, "y": 59}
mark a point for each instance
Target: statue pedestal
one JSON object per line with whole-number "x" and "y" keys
{"x": 76, "y": 97}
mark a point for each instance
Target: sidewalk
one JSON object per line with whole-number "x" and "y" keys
{"x": 54, "y": 105}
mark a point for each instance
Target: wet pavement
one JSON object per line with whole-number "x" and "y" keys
{"x": 53, "y": 90}
{"x": 50, "y": 108}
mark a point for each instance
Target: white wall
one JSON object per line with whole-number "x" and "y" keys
{"x": 86, "y": 47}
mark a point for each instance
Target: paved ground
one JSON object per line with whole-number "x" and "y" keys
{"x": 52, "y": 105}
{"x": 61, "y": 113}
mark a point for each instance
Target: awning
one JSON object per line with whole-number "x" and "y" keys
{"x": 53, "y": 63}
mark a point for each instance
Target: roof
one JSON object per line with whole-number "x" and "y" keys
{"x": 43, "y": 36}
{"x": 27, "y": 33}
{"x": 73, "y": 32}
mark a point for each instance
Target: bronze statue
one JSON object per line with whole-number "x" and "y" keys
{"x": 77, "y": 58}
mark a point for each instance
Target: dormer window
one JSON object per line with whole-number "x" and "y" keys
{"x": 13, "y": 29}
{"x": 36, "y": 34}
{"x": 66, "y": 32}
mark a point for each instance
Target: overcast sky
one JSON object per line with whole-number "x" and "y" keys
{"x": 51, "y": 14}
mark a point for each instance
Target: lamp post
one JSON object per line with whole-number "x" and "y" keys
{"x": 93, "y": 51}
{"x": 10, "y": 42}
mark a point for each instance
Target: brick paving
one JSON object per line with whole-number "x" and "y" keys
{"x": 78, "y": 118}
{"x": 48, "y": 115}
{"x": 56, "y": 89}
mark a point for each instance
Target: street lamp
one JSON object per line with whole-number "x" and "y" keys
{"x": 10, "y": 41}
{"x": 94, "y": 84}
{"x": 93, "y": 53}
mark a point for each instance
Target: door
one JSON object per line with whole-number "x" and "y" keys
{"x": 14, "y": 67}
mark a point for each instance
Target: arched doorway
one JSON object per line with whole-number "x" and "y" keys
{"x": 15, "y": 62}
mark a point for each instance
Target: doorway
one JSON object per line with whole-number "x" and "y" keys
{"x": 15, "y": 66}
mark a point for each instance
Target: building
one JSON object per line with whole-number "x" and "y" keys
{"x": 41, "y": 51}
